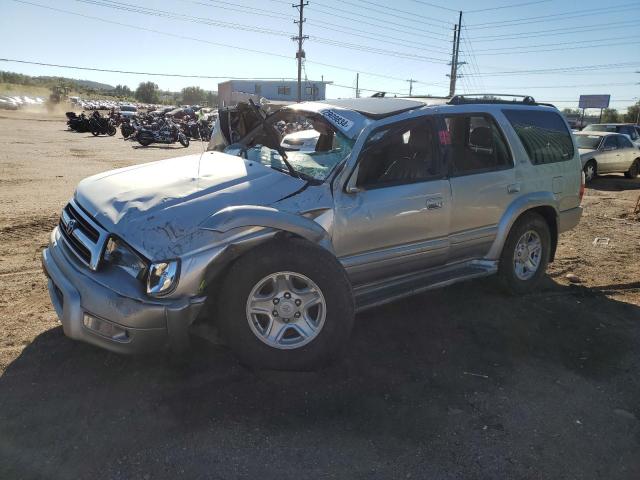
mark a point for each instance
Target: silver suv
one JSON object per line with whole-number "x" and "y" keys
{"x": 278, "y": 249}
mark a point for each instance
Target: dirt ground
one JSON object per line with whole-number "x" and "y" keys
{"x": 463, "y": 382}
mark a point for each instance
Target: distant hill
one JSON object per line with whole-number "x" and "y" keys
{"x": 47, "y": 81}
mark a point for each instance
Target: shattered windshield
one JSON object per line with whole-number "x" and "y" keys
{"x": 312, "y": 146}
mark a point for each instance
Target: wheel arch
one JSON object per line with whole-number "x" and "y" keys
{"x": 542, "y": 203}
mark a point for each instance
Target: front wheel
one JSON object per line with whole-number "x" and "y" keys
{"x": 590, "y": 171}
{"x": 634, "y": 169}
{"x": 145, "y": 140}
{"x": 286, "y": 305}
{"x": 184, "y": 140}
{"x": 112, "y": 130}
{"x": 525, "y": 254}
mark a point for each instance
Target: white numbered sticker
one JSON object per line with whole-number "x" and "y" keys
{"x": 338, "y": 120}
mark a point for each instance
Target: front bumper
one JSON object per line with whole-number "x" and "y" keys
{"x": 148, "y": 324}
{"x": 569, "y": 219}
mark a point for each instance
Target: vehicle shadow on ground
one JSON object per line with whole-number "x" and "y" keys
{"x": 614, "y": 183}
{"x": 161, "y": 147}
{"x": 456, "y": 383}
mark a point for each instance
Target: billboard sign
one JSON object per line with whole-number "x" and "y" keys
{"x": 594, "y": 101}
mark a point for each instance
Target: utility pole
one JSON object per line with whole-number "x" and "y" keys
{"x": 457, "y": 33}
{"x": 411, "y": 82}
{"x": 357, "y": 85}
{"x": 300, "y": 38}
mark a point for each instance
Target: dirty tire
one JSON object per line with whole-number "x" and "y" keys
{"x": 286, "y": 255}
{"x": 184, "y": 141}
{"x": 590, "y": 171}
{"x": 112, "y": 130}
{"x": 506, "y": 269}
{"x": 634, "y": 169}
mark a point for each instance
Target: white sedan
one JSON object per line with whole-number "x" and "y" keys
{"x": 302, "y": 141}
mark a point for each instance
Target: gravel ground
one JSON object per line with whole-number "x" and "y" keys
{"x": 462, "y": 382}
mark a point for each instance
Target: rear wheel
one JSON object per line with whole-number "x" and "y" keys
{"x": 184, "y": 140}
{"x": 590, "y": 171}
{"x": 286, "y": 305}
{"x": 634, "y": 169}
{"x": 145, "y": 140}
{"x": 525, "y": 254}
{"x": 112, "y": 130}
{"x": 95, "y": 133}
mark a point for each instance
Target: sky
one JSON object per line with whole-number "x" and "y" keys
{"x": 508, "y": 46}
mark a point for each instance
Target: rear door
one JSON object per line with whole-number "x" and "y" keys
{"x": 627, "y": 153}
{"x": 482, "y": 181}
{"x": 609, "y": 157}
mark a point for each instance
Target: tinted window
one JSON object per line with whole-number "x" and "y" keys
{"x": 544, "y": 135}
{"x": 610, "y": 143}
{"x": 624, "y": 142}
{"x": 588, "y": 141}
{"x": 400, "y": 153}
{"x": 476, "y": 144}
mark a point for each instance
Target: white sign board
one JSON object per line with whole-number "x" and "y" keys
{"x": 594, "y": 101}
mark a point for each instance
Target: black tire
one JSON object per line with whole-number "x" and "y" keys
{"x": 634, "y": 169}
{"x": 184, "y": 140}
{"x": 588, "y": 175}
{"x": 511, "y": 283}
{"x": 112, "y": 130}
{"x": 95, "y": 133}
{"x": 298, "y": 256}
{"x": 145, "y": 140}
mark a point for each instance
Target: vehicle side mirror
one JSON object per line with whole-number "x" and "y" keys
{"x": 352, "y": 189}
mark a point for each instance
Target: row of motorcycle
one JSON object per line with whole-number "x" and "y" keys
{"x": 146, "y": 129}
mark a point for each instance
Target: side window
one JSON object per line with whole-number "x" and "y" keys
{"x": 610, "y": 143}
{"x": 476, "y": 144}
{"x": 624, "y": 142}
{"x": 543, "y": 134}
{"x": 399, "y": 153}
{"x": 631, "y": 131}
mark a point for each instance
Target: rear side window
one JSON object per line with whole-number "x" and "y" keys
{"x": 544, "y": 135}
{"x": 624, "y": 142}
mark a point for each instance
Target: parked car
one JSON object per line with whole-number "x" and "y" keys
{"x": 279, "y": 249}
{"x": 602, "y": 152}
{"x": 629, "y": 129}
{"x": 303, "y": 141}
{"x": 128, "y": 111}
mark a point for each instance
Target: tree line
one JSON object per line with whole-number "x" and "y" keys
{"x": 611, "y": 115}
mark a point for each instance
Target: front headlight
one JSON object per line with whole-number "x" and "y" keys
{"x": 163, "y": 277}
{"x": 117, "y": 253}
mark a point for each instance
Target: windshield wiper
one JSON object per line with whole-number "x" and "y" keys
{"x": 275, "y": 138}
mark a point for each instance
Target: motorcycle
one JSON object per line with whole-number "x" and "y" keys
{"x": 79, "y": 123}
{"x": 166, "y": 132}
{"x": 102, "y": 125}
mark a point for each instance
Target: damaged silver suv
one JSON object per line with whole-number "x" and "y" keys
{"x": 278, "y": 249}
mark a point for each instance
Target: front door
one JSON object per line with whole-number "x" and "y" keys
{"x": 395, "y": 218}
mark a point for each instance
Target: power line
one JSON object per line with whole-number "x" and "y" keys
{"x": 513, "y": 5}
{"x": 129, "y": 72}
{"x": 217, "y": 44}
{"x": 385, "y": 23}
{"x": 405, "y": 11}
{"x": 434, "y": 5}
{"x": 554, "y": 17}
{"x": 575, "y": 68}
{"x": 234, "y": 26}
{"x": 511, "y": 48}
{"x": 394, "y": 15}
{"x": 555, "y": 31}
{"x": 577, "y": 47}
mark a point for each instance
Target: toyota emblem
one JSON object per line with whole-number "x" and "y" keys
{"x": 70, "y": 227}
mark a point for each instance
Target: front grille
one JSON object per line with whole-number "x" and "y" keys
{"x": 84, "y": 237}
{"x": 89, "y": 230}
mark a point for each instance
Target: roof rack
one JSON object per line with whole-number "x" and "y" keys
{"x": 495, "y": 98}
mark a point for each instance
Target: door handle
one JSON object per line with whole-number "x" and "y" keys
{"x": 513, "y": 188}
{"x": 434, "y": 203}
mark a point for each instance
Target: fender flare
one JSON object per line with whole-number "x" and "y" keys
{"x": 513, "y": 212}
{"x": 240, "y": 216}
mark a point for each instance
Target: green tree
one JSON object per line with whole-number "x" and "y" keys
{"x": 147, "y": 92}
{"x": 571, "y": 111}
{"x": 212, "y": 99}
{"x": 193, "y": 95}
{"x": 633, "y": 113}
{"x": 610, "y": 115}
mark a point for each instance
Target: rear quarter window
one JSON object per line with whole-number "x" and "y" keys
{"x": 543, "y": 134}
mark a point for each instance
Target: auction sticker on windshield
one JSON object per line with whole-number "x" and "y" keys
{"x": 338, "y": 120}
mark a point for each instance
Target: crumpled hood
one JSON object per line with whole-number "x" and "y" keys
{"x": 153, "y": 206}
